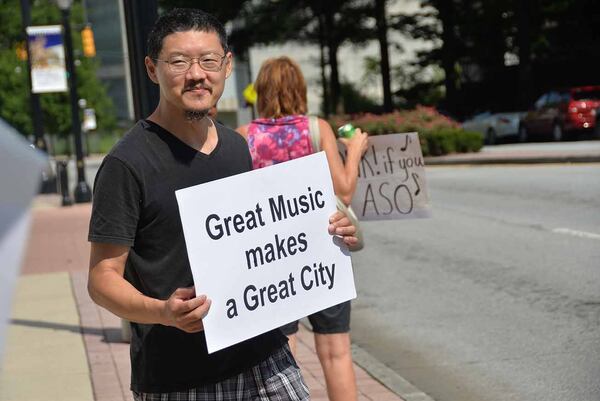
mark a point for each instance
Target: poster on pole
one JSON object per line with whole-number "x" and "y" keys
{"x": 19, "y": 189}
{"x": 48, "y": 70}
{"x": 259, "y": 248}
{"x": 89, "y": 120}
{"x": 391, "y": 183}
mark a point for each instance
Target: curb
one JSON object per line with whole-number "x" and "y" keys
{"x": 442, "y": 161}
{"x": 387, "y": 376}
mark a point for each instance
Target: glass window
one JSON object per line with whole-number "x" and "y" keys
{"x": 565, "y": 97}
{"x": 541, "y": 101}
{"x": 553, "y": 98}
{"x": 587, "y": 95}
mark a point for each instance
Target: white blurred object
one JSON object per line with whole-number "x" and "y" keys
{"x": 89, "y": 120}
{"x": 20, "y": 169}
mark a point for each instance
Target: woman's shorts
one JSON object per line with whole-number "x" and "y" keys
{"x": 333, "y": 320}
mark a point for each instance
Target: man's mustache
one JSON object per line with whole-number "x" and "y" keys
{"x": 196, "y": 85}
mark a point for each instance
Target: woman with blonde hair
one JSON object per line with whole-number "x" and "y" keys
{"x": 282, "y": 133}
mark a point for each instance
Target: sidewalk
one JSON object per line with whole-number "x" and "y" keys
{"x": 525, "y": 153}
{"x": 61, "y": 346}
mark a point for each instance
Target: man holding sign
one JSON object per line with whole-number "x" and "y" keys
{"x": 139, "y": 268}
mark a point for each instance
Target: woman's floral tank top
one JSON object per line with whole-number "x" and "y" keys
{"x": 276, "y": 140}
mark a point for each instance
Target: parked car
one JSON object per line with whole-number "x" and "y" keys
{"x": 494, "y": 126}
{"x": 561, "y": 113}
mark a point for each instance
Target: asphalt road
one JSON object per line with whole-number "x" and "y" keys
{"x": 497, "y": 296}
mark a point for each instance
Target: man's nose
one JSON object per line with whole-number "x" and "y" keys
{"x": 195, "y": 71}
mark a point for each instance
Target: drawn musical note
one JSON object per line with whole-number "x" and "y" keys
{"x": 403, "y": 148}
{"x": 415, "y": 177}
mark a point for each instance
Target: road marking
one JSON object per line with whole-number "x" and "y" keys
{"x": 576, "y": 233}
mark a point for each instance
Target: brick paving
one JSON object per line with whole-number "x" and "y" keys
{"x": 57, "y": 238}
{"x": 58, "y": 242}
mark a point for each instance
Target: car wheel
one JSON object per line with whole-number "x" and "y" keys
{"x": 557, "y": 132}
{"x": 490, "y": 136}
{"x": 523, "y": 135}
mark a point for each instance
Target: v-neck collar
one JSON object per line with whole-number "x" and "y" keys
{"x": 188, "y": 149}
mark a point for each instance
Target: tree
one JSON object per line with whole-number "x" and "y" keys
{"x": 14, "y": 87}
{"x": 223, "y": 10}
{"x": 565, "y": 41}
{"x": 328, "y": 24}
{"x": 496, "y": 54}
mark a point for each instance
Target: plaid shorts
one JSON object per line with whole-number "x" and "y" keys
{"x": 276, "y": 378}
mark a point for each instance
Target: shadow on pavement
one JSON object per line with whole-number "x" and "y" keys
{"x": 109, "y": 335}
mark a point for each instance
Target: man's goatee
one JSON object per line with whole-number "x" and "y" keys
{"x": 195, "y": 115}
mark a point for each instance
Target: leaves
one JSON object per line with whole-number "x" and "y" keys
{"x": 14, "y": 87}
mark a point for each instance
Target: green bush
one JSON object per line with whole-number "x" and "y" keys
{"x": 100, "y": 142}
{"x": 470, "y": 141}
{"x": 441, "y": 142}
{"x": 439, "y": 135}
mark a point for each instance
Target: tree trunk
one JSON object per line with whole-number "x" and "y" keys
{"x": 524, "y": 42}
{"x": 332, "y": 47}
{"x": 385, "y": 60}
{"x": 324, "y": 84}
{"x": 447, "y": 15}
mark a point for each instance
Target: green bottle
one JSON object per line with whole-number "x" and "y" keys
{"x": 346, "y": 131}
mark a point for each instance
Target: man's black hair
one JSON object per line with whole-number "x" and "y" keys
{"x": 182, "y": 20}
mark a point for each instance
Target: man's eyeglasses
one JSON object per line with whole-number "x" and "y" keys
{"x": 210, "y": 62}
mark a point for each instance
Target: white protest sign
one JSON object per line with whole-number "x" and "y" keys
{"x": 20, "y": 169}
{"x": 259, "y": 248}
{"x": 391, "y": 182}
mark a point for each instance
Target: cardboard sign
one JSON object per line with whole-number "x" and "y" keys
{"x": 391, "y": 182}
{"x": 259, "y": 248}
{"x": 18, "y": 190}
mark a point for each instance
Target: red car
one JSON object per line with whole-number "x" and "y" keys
{"x": 558, "y": 113}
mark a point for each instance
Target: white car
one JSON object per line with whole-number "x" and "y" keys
{"x": 494, "y": 126}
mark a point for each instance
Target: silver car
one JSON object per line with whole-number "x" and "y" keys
{"x": 494, "y": 126}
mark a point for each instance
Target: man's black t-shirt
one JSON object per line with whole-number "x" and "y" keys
{"x": 135, "y": 206}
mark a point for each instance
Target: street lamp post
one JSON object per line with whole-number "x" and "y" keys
{"x": 36, "y": 109}
{"x": 82, "y": 190}
{"x": 48, "y": 179}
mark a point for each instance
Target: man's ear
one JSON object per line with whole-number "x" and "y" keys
{"x": 151, "y": 69}
{"x": 229, "y": 66}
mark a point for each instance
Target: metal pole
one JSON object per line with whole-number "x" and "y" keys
{"x": 63, "y": 182}
{"x": 82, "y": 190}
{"x": 36, "y": 109}
{"x": 139, "y": 18}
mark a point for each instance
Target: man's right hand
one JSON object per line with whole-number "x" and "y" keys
{"x": 185, "y": 310}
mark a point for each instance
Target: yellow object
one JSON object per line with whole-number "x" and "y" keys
{"x": 250, "y": 94}
{"x": 87, "y": 39}
{"x": 21, "y": 51}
